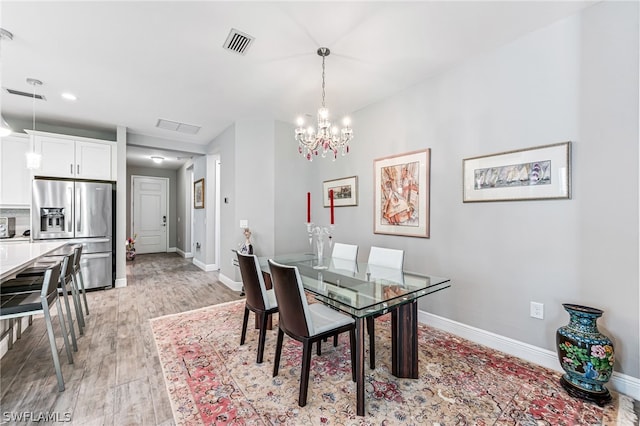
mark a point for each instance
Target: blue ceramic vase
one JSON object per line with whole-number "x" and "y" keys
{"x": 585, "y": 354}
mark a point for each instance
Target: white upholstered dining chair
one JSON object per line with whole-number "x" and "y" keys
{"x": 345, "y": 251}
{"x": 389, "y": 258}
{"x": 383, "y": 263}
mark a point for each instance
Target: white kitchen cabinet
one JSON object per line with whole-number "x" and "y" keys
{"x": 15, "y": 184}
{"x": 93, "y": 160}
{"x": 58, "y": 156}
{"x": 73, "y": 158}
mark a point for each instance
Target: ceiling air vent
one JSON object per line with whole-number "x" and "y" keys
{"x": 238, "y": 42}
{"x": 25, "y": 94}
{"x": 177, "y": 127}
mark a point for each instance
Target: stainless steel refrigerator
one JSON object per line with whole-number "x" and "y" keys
{"x": 81, "y": 212}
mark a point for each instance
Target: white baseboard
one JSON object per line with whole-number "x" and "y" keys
{"x": 622, "y": 383}
{"x": 172, "y": 250}
{"x": 184, "y": 254}
{"x": 205, "y": 267}
{"x": 233, "y": 285}
{"x": 121, "y": 282}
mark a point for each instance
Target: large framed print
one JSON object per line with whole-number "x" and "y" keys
{"x": 345, "y": 191}
{"x": 539, "y": 173}
{"x": 401, "y": 194}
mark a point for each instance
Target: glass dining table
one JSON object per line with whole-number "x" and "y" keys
{"x": 363, "y": 291}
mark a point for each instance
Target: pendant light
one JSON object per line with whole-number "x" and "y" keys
{"x": 5, "y": 129}
{"x": 33, "y": 158}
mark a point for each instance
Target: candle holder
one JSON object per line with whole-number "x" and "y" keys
{"x": 320, "y": 232}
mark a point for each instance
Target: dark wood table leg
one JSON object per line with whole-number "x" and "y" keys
{"x": 404, "y": 341}
{"x": 360, "y": 325}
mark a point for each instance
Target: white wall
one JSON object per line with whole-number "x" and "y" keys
{"x": 224, "y": 147}
{"x": 254, "y": 180}
{"x": 199, "y": 217}
{"x": 183, "y": 209}
{"x": 576, "y": 80}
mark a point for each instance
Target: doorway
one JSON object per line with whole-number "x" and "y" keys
{"x": 149, "y": 208}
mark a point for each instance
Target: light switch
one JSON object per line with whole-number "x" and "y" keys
{"x": 244, "y": 223}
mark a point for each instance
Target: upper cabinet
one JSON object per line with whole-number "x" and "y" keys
{"x": 15, "y": 178}
{"x": 78, "y": 158}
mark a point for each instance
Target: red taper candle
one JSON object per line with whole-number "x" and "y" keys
{"x": 331, "y": 204}
{"x": 308, "y": 207}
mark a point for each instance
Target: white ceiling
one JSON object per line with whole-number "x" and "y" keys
{"x": 133, "y": 62}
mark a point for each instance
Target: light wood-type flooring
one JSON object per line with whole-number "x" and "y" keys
{"x": 116, "y": 378}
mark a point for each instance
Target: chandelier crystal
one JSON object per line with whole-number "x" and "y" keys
{"x": 325, "y": 137}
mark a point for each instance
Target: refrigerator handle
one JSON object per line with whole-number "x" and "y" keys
{"x": 78, "y": 212}
{"x": 70, "y": 213}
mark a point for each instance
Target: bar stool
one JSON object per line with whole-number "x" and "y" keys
{"x": 31, "y": 279}
{"x": 78, "y": 279}
{"x": 18, "y": 305}
{"x": 77, "y": 273}
{"x": 58, "y": 256}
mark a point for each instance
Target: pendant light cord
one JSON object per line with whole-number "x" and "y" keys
{"x": 33, "y": 103}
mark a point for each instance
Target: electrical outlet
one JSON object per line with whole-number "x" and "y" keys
{"x": 537, "y": 310}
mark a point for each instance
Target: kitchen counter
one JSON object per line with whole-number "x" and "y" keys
{"x": 16, "y": 255}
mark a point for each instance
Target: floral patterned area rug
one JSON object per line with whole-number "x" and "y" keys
{"x": 211, "y": 379}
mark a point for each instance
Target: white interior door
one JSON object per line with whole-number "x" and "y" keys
{"x": 149, "y": 212}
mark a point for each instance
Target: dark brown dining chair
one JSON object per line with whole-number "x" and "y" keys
{"x": 259, "y": 300}
{"x": 304, "y": 322}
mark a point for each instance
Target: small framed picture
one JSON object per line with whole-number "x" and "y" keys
{"x": 198, "y": 194}
{"x": 539, "y": 173}
{"x": 345, "y": 191}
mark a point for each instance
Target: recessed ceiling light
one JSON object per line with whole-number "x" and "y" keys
{"x": 69, "y": 96}
{"x": 156, "y": 159}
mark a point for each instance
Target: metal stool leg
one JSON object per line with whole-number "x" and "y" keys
{"x": 54, "y": 349}
{"x": 78, "y": 304}
{"x": 82, "y": 290}
{"x": 74, "y": 342}
{"x": 63, "y": 327}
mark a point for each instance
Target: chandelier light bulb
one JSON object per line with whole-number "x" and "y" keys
{"x": 346, "y": 121}
{"x": 327, "y": 137}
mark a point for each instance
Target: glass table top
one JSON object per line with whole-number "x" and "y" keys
{"x": 358, "y": 288}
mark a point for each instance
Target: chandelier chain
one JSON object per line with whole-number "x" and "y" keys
{"x": 323, "y": 81}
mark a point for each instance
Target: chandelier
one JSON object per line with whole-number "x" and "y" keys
{"x": 326, "y": 137}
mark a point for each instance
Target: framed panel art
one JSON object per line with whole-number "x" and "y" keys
{"x": 401, "y": 194}
{"x": 538, "y": 173}
{"x": 198, "y": 194}
{"x": 345, "y": 191}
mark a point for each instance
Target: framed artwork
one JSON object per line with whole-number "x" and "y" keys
{"x": 401, "y": 194}
{"x": 345, "y": 191}
{"x": 539, "y": 173}
{"x": 198, "y": 194}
